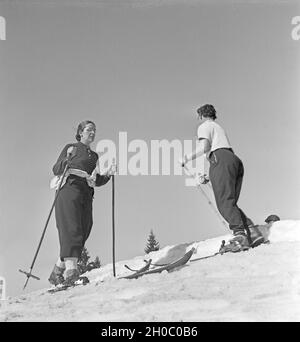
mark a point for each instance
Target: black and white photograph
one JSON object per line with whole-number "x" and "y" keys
{"x": 150, "y": 163}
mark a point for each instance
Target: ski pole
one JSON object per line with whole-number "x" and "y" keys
{"x": 205, "y": 195}
{"x": 29, "y": 274}
{"x": 113, "y": 225}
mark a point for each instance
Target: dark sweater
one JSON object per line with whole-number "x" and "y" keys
{"x": 84, "y": 159}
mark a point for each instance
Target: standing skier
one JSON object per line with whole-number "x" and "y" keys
{"x": 226, "y": 175}
{"x": 73, "y": 208}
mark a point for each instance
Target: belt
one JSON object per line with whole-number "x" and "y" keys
{"x": 219, "y": 149}
{"x": 224, "y": 148}
{"x": 55, "y": 181}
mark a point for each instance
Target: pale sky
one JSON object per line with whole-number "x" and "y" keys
{"x": 143, "y": 67}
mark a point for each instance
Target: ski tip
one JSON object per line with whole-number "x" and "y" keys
{"x": 193, "y": 250}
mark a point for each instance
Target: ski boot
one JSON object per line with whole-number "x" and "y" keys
{"x": 237, "y": 244}
{"x": 256, "y": 236}
{"x": 73, "y": 278}
{"x": 56, "y": 276}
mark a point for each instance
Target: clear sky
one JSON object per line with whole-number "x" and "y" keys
{"x": 142, "y": 67}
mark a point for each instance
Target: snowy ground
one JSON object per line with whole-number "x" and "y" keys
{"x": 262, "y": 284}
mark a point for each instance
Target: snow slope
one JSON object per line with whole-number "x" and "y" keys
{"x": 262, "y": 284}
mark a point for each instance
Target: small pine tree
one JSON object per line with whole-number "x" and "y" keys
{"x": 83, "y": 262}
{"x": 152, "y": 244}
{"x": 94, "y": 264}
{"x": 97, "y": 263}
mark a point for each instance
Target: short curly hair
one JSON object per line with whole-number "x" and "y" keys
{"x": 207, "y": 111}
{"x": 81, "y": 127}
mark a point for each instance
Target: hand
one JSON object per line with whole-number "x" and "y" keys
{"x": 183, "y": 161}
{"x": 91, "y": 180}
{"x": 112, "y": 170}
{"x": 70, "y": 151}
{"x": 203, "y": 179}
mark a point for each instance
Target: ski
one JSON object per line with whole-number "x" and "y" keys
{"x": 222, "y": 251}
{"x": 206, "y": 257}
{"x": 169, "y": 267}
{"x": 80, "y": 282}
{"x": 141, "y": 270}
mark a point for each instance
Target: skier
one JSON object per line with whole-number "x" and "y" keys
{"x": 73, "y": 208}
{"x": 226, "y": 175}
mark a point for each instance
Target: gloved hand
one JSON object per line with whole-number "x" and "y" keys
{"x": 203, "y": 179}
{"x": 112, "y": 170}
{"x": 71, "y": 152}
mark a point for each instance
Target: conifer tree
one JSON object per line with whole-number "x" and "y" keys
{"x": 83, "y": 262}
{"x": 152, "y": 244}
{"x": 97, "y": 263}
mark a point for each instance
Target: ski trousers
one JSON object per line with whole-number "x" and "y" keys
{"x": 74, "y": 216}
{"x": 226, "y": 175}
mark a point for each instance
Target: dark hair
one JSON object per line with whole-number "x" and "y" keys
{"x": 81, "y": 127}
{"x": 207, "y": 111}
{"x": 272, "y": 218}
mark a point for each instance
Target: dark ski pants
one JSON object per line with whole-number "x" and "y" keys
{"x": 226, "y": 175}
{"x": 74, "y": 219}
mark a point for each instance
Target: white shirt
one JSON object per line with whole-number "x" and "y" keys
{"x": 215, "y": 134}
